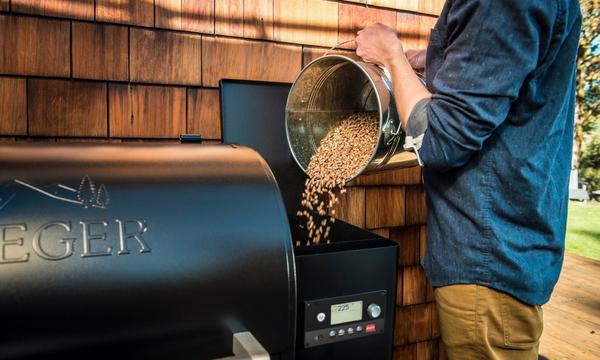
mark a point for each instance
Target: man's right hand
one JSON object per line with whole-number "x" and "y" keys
{"x": 416, "y": 58}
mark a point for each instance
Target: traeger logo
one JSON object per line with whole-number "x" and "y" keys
{"x": 55, "y": 240}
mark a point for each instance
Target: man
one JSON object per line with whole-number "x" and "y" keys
{"x": 493, "y": 128}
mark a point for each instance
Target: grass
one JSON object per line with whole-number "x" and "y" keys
{"x": 583, "y": 229}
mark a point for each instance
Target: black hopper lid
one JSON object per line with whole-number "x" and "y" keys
{"x": 253, "y": 114}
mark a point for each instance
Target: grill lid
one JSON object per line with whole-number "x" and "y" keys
{"x": 141, "y": 250}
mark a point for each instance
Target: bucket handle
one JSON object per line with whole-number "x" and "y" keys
{"x": 385, "y": 71}
{"x": 337, "y": 46}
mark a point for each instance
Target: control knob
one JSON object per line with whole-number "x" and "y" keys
{"x": 321, "y": 317}
{"x": 374, "y": 311}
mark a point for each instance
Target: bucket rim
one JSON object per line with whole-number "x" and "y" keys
{"x": 358, "y": 64}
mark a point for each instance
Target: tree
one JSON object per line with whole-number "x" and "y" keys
{"x": 102, "y": 198}
{"x": 86, "y": 193}
{"x": 588, "y": 91}
{"x": 590, "y": 162}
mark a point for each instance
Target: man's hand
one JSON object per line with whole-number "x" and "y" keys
{"x": 378, "y": 44}
{"x": 416, "y": 58}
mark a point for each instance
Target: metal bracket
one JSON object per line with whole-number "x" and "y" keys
{"x": 414, "y": 144}
{"x": 246, "y": 347}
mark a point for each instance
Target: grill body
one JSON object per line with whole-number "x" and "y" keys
{"x": 142, "y": 251}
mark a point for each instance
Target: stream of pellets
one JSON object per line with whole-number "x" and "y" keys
{"x": 344, "y": 151}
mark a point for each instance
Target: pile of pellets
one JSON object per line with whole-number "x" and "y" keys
{"x": 342, "y": 153}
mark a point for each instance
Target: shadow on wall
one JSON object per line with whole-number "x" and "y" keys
{"x": 76, "y": 8}
{"x": 171, "y": 13}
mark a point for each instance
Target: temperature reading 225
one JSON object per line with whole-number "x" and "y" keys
{"x": 342, "y": 307}
{"x": 346, "y": 312}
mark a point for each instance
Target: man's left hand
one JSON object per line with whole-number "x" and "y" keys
{"x": 378, "y": 44}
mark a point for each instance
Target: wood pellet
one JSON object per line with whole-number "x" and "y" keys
{"x": 342, "y": 153}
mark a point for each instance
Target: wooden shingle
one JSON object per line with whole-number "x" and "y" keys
{"x": 66, "y": 108}
{"x": 306, "y": 22}
{"x": 353, "y": 18}
{"x": 351, "y": 207}
{"x": 385, "y": 206}
{"x": 198, "y": 16}
{"x": 34, "y": 46}
{"x": 405, "y": 352}
{"x": 146, "y": 111}
{"x": 229, "y": 17}
{"x": 100, "y": 51}
{"x": 168, "y": 14}
{"x": 407, "y": 176}
{"x": 134, "y": 12}
{"x": 435, "y": 322}
{"x": 415, "y": 285}
{"x": 425, "y": 350}
{"x": 410, "y": 32}
{"x": 204, "y": 113}
{"x": 258, "y": 19}
{"x": 81, "y": 9}
{"x": 249, "y": 60}
{"x": 13, "y": 106}
{"x": 416, "y": 205}
{"x": 165, "y": 57}
{"x": 383, "y": 232}
{"x": 432, "y": 7}
{"x": 413, "y": 324}
{"x": 407, "y": 238}
{"x": 399, "y": 286}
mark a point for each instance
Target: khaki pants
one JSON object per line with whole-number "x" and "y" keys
{"x": 481, "y": 323}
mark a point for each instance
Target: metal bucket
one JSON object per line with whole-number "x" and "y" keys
{"x": 333, "y": 87}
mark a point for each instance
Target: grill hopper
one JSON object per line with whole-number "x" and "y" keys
{"x": 213, "y": 255}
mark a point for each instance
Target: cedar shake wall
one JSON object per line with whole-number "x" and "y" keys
{"x": 149, "y": 70}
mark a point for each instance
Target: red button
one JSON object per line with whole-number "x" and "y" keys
{"x": 370, "y": 328}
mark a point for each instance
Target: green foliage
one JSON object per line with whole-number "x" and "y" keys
{"x": 587, "y": 131}
{"x": 590, "y": 162}
{"x": 588, "y": 66}
{"x": 591, "y": 157}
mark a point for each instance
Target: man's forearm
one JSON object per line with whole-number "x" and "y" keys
{"x": 408, "y": 89}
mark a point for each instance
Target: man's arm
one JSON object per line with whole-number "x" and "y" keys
{"x": 416, "y": 58}
{"x": 492, "y": 46}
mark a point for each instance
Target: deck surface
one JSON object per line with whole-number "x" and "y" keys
{"x": 572, "y": 317}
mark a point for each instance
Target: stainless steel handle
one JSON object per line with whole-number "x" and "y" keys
{"x": 337, "y": 46}
{"x": 246, "y": 347}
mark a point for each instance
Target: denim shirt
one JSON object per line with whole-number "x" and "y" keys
{"x": 496, "y": 143}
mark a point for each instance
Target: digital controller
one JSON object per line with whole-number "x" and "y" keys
{"x": 344, "y": 318}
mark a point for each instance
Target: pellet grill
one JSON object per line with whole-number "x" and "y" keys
{"x": 183, "y": 251}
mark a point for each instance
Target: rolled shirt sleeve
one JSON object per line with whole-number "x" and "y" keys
{"x": 490, "y": 48}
